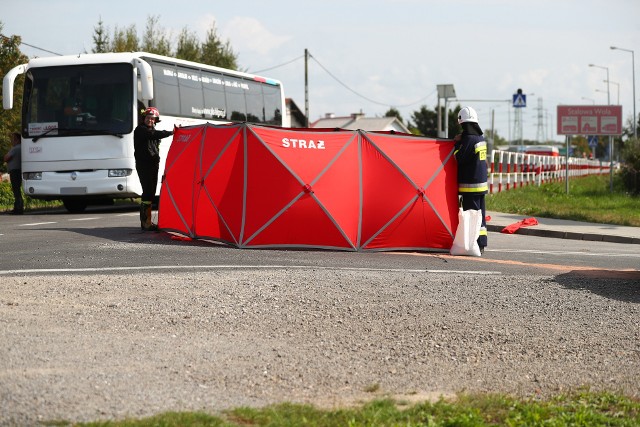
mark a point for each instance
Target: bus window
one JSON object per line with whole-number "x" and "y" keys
{"x": 236, "y": 107}
{"x": 255, "y": 104}
{"x": 166, "y": 91}
{"x": 215, "y": 106}
{"x": 272, "y": 104}
{"x": 191, "y": 97}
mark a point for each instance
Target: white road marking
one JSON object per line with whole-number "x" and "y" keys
{"x": 241, "y": 267}
{"x": 37, "y": 223}
{"x": 84, "y": 219}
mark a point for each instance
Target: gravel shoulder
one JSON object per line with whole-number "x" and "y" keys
{"x": 97, "y": 347}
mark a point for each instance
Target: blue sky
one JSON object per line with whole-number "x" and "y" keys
{"x": 389, "y": 52}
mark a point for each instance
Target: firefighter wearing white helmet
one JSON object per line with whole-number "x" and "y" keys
{"x": 467, "y": 115}
{"x": 471, "y": 153}
{"x": 146, "y": 144}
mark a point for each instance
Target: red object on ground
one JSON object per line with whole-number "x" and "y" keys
{"x": 258, "y": 186}
{"x": 527, "y": 222}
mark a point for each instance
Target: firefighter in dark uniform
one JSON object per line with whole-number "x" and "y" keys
{"x": 146, "y": 143}
{"x": 471, "y": 153}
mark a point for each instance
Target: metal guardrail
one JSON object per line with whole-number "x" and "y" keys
{"x": 509, "y": 170}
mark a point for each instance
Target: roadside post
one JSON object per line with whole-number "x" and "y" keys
{"x": 566, "y": 163}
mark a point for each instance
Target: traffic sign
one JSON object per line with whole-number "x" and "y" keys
{"x": 589, "y": 120}
{"x": 519, "y": 100}
{"x": 593, "y": 141}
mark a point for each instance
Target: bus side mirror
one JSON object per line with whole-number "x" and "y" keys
{"x": 7, "y": 85}
{"x": 146, "y": 78}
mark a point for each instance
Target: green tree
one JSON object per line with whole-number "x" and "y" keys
{"x": 125, "y": 39}
{"x": 188, "y": 46}
{"x": 494, "y": 138}
{"x": 215, "y": 51}
{"x": 630, "y": 169}
{"x": 394, "y": 113}
{"x": 10, "y": 56}
{"x": 580, "y": 146}
{"x": 100, "y": 38}
{"x": 426, "y": 122}
{"x": 454, "y": 127}
{"x": 155, "y": 39}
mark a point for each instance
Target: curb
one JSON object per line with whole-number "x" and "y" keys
{"x": 528, "y": 231}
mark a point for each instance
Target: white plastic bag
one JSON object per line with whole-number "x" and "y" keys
{"x": 465, "y": 241}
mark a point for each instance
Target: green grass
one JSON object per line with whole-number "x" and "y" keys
{"x": 589, "y": 199}
{"x": 582, "y": 408}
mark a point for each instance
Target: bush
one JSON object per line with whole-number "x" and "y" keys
{"x": 6, "y": 196}
{"x": 6, "y": 200}
{"x": 630, "y": 169}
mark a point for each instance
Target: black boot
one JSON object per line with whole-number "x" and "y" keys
{"x": 145, "y": 217}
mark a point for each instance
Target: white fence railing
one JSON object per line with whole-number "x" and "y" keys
{"x": 510, "y": 170}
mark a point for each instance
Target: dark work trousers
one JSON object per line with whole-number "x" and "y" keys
{"x": 148, "y": 174}
{"x": 476, "y": 202}
{"x": 15, "y": 176}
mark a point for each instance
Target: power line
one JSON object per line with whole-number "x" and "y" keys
{"x": 276, "y": 66}
{"x": 385, "y": 104}
{"x": 39, "y": 48}
{"x": 32, "y": 46}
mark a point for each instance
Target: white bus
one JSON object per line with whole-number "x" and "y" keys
{"x": 79, "y": 113}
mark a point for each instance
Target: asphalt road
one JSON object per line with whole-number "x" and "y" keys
{"x": 109, "y": 239}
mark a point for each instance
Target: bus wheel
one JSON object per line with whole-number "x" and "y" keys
{"x": 74, "y": 205}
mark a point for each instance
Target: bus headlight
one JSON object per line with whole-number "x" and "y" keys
{"x": 116, "y": 173}
{"x": 37, "y": 176}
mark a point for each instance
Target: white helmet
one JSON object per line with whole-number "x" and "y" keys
{"x": 467, "y": 114}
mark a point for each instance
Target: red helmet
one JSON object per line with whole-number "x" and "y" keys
{"x": 152, "y": 111}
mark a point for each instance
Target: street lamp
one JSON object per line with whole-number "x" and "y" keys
{"x": 601, "y": 91}
{"x": 618, "y": 87}
{"x": 633, "y": 75}
{"x": 610, "y": 138}
{"x": 604, "y": 68}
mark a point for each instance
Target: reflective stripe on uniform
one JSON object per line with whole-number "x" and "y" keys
{"x": 481, "y": 150}
{"x": 473, "y": 188}
{"x": 480, "y": 146}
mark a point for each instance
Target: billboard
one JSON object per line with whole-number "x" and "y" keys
{"x": 589, "y": 119}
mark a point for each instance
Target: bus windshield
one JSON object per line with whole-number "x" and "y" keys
{"x": 78, "y": 100}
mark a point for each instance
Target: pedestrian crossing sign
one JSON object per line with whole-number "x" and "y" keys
{"x": 519, "y": 100}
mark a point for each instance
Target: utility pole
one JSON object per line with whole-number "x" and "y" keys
{"x": 610, "y": 137}
{"x": 446, "y": 92}
{"x": 540, "y": 115}
{"x": 306, "y": 87}
{"x": 633, "y": 76}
